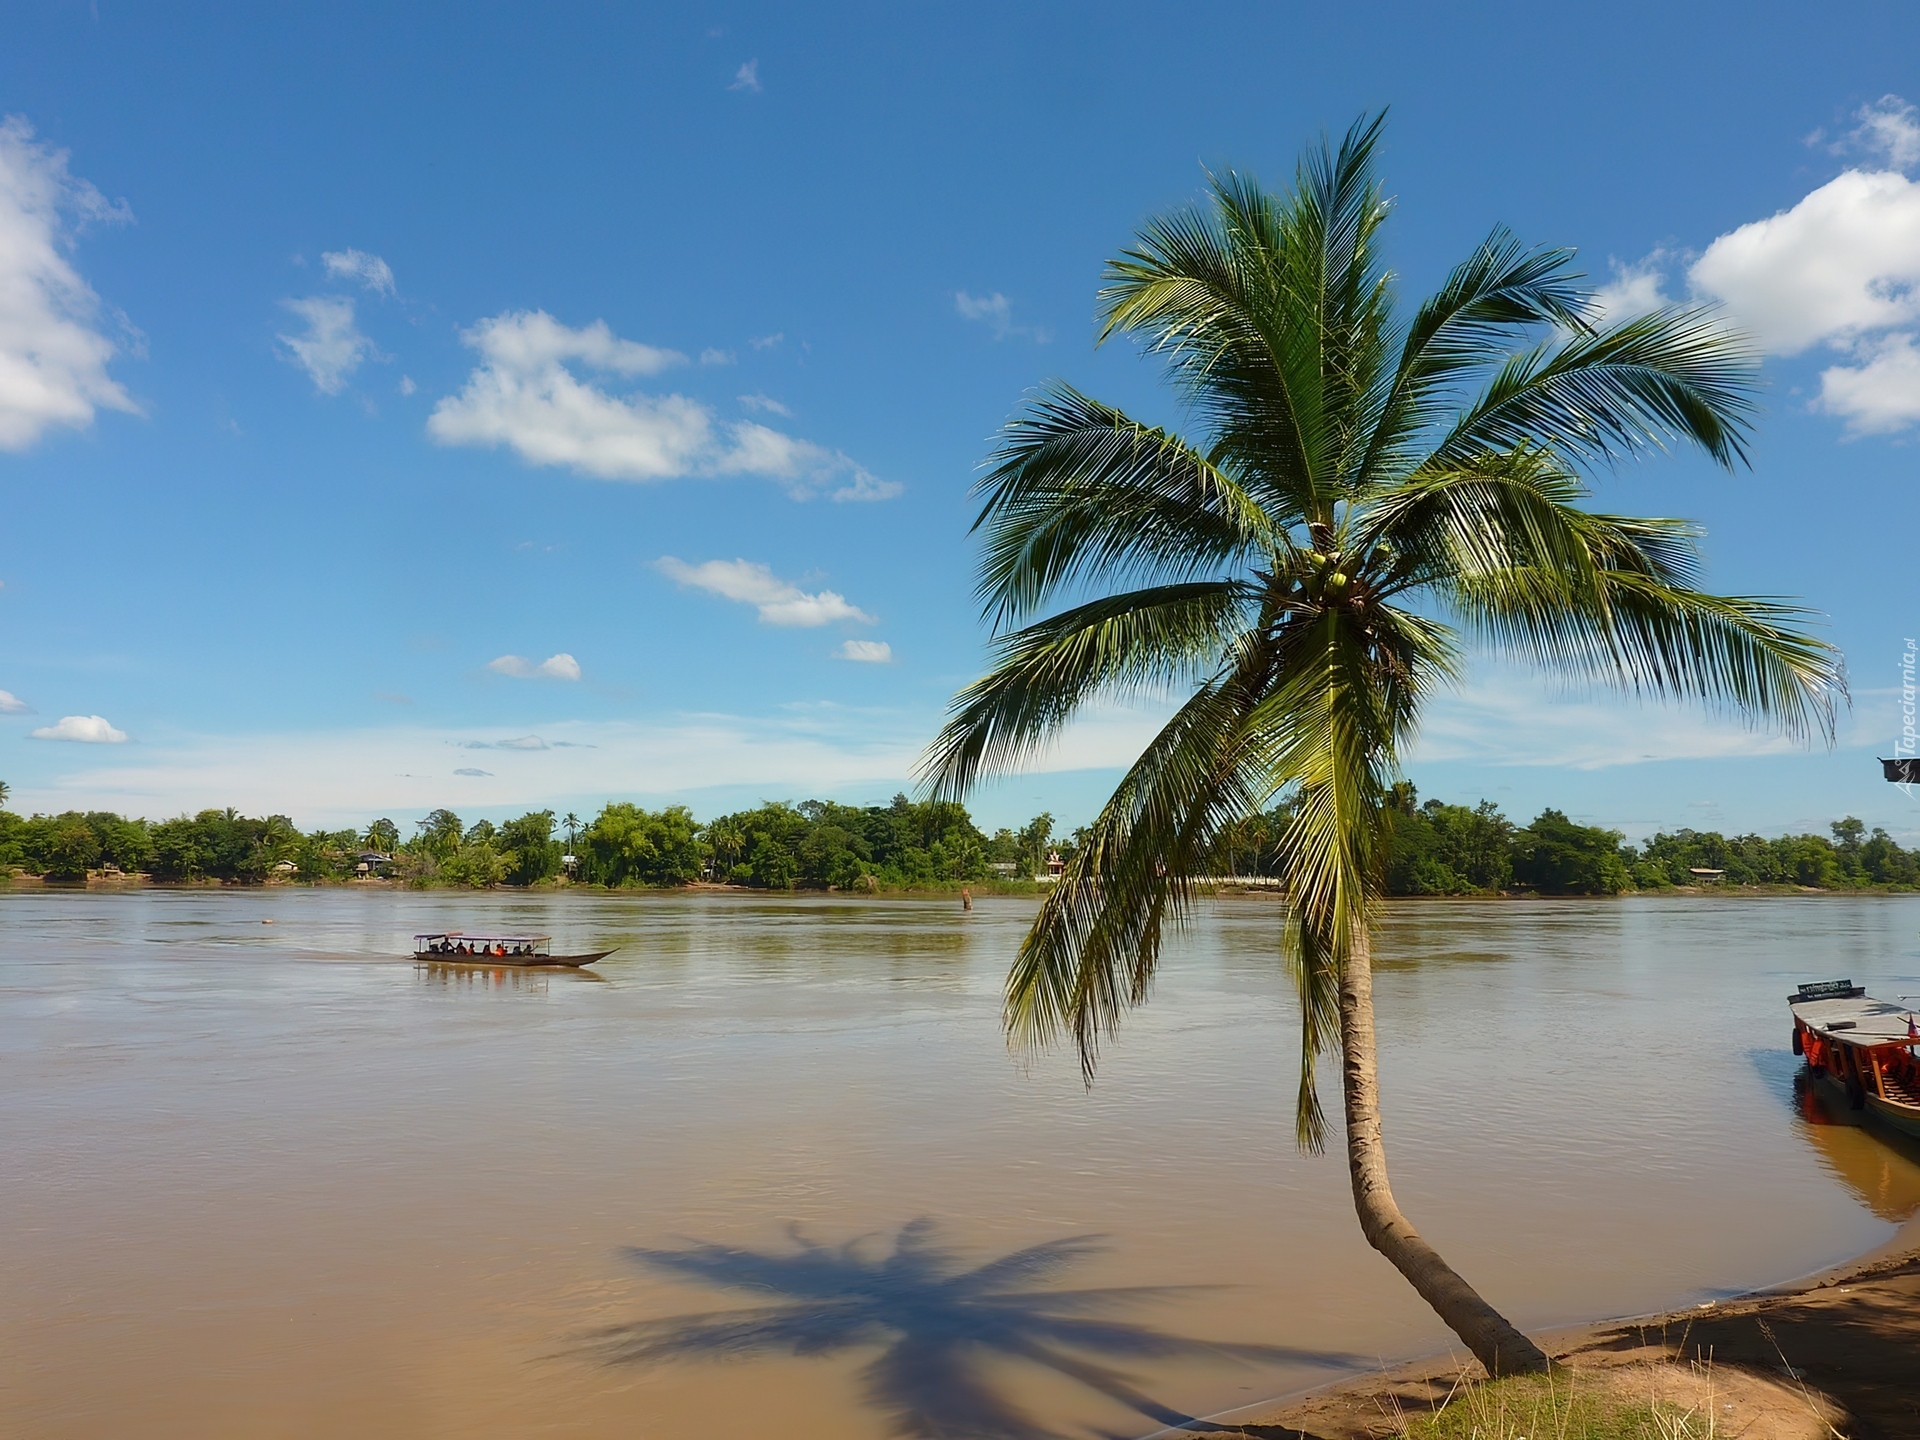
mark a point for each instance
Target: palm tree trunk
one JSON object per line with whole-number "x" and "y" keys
{"x": 1495, "y": 1343}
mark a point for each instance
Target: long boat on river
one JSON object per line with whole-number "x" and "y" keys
{"x": 457, "y": 947}
{"x": 1865, "y": 1049}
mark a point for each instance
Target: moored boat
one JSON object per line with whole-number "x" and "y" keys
{"x": 457, "y": 947}
{"x": 1869, "y": 1049}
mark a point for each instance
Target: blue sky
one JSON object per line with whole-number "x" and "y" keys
{"x": 510, "y": 406}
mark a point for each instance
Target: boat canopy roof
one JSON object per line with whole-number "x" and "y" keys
{"x": 467, "y": 938}
{"x": 1856, "y": 1020}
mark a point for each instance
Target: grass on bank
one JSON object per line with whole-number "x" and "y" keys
{"x": 1560, "y": 1406}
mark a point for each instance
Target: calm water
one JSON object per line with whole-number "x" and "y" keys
{"x": 773, "y": 1171}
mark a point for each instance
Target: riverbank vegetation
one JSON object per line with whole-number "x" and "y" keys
{"x": 1434, "y": 848}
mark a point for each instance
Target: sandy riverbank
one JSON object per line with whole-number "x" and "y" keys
{"x": 1836, "y": 1353}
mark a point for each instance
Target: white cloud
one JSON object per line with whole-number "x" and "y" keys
{"x": 370, "y": 270}
{"x": 1841, "y": 268}
{"x": 1880, "y": 395}
{"x": 995, "y": 309}
{"x": 11, "y": 704}
{"x": 871, "y": 652}
{"x": 555, "y": 667}
{"x": 747, "y": 77}
{"x": 469, "y": 770}
{"x": 866, "y": 486}
{"x": 767, "y": 342}
{"x": 53, "y": 354}
{"x": 523, "y": 340}
{"x": 406, "y": 386}
{"x": 1636, "y": 289}
{"x": 332, "y": 347}
{"x": 524, "y": 396}
{"x": 766, "y": 405}
{"x": 778, "y": 602}
{"x": 1841, "y": 263}
{"x": 1888, "y": 128}
{"x": 86, "y": 729}
{"x": 713, "y": 356}
{"x": 996, "y": 312}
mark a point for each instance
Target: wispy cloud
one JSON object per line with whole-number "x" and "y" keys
{"x": 53, "y": 344}
{"x": 778, "y": 601}
{"x": 1510, "y": 717}
{"x": 767, "y": 342}
{"x": 555, "y": 667}
{"x": 995, "y": 311}
{"x": 332, "y": 347}
{"x": 469, "y": 770}
{"x": 1636, "y": 289}
{"x": 747, "y": 77}
{"x": 765, "y": 405}
{"x": 11, "y": 704}
{"x": 523, "y": 395}
{"x": 369, "y": 270}
{"x": 1889, "y": 128}
{"x": 714, "y": 356}
{"x": 82, "y": 729}
{"x": 868, "y": 652}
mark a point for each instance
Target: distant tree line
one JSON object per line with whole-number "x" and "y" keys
{"x": 1435, "y": 849}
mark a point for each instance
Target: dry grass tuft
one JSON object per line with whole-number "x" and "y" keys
{"x": 1640, "y": 1401}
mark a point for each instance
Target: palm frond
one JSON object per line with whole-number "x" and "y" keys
{"x": 1499, "y": 291}
{"x": 1043, "y": 675}
{"x": 1207, "y": 293}
{"x": 1080, "y": 492}
{"x": 1091, "y": 954}
{"x": 1315, "y": 971}
{"x": 1677, "y": 374}
{"x": 1749, "y": 655}
{"x": 1270, "y": 314}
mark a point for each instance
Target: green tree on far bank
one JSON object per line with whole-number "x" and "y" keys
{"x": 1557, "y": 857}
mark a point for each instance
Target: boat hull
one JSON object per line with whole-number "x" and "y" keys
{"x": 1904, "y": 1118}
{"x": 1895, "y": 1116}
{"x": 516, "y": 962}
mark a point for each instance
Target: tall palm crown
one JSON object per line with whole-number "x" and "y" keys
{"x": 1370, "y": 494}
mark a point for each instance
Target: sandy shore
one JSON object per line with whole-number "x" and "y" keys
{"x": 1836, "y": 1353}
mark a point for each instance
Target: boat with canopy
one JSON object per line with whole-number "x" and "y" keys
{"x": 1867, "y": 1049}
{"x": 457, "y": 947}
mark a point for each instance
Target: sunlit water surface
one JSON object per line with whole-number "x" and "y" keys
{"x": 772, "y": 1171}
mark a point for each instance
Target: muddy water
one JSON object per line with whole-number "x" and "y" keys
{"x": 773, "y": 1172}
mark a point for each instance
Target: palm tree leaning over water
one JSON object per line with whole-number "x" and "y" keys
{"x": 1367, "y": 491}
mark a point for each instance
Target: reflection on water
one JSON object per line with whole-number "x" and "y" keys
{"x": 530, "y": 979}
{"x": 941, "y": 1326}
{"x": 1879, "y": 1165}
{"x": 295, "y": 1186}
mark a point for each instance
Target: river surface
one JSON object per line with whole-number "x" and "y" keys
{"x": 772, "y": 1171}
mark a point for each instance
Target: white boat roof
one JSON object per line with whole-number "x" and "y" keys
{"x": 1860, "y": 1020}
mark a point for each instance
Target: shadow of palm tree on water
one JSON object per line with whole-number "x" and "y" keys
{"x": 942, "y": 1323}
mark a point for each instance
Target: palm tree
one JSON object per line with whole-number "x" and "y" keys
{"x": 1368, "y": 490}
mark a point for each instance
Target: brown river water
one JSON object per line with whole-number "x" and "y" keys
{"x": 772, "y": 1171}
